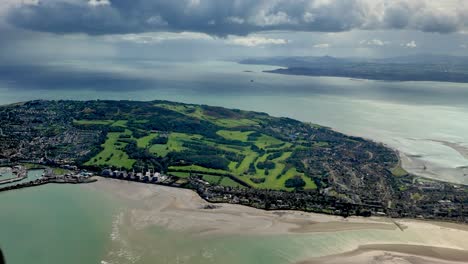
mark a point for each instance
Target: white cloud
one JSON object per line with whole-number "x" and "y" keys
{"x": 154, "y": 38}
{"x": 412, "y": 44}
{"x": 308, "y": 17}
{"x": 322, "y": 46}
{"x": 235, "y": 20}
{"x": 156, "y": 21}
{"x": 374, "y": 42}
{"x": 253, "y": 41}
{"x": 264, "y": 18}
{"x": 98, "y": 2}
{"x": 193, "y": 3}
{"x": 464, "y": 46}
{"x": 5, "y": 5}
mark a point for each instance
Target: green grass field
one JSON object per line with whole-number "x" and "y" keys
{"x": 175, "y": 143}
{"x": 197, "y": 112}
{"x": 398, "y": 171}
{"x": 234, "y": 135}
{"x": 199, "y": 169}
{"x": 310, "y": 184}
{"x": 180, "y": 174}
{"x": 144, "y": 142}
{"x": 250, "y": 157}
{"x": 265, "y": 141}
{"x": 113, "y": 153}
{"x": 93, "y": 122}
{"x": 60, "y": 171}
{"x": 226, "y": 181}
{"x": 232, "y": 123}
{"x": 120, "y": 123}
{"x": 212, "y": 179}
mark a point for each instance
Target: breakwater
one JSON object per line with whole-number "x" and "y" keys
{"x": 43, "y": 181}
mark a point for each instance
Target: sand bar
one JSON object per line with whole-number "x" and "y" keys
{"x": 395, "y": 254}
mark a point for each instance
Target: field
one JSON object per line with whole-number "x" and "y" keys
{"x": 398, "y": 171}
{"x": 93, "y": 122}
{"x": 144, "y": 142}
{"x": 273, "y": 179}
{"x": 113, "y": 153}
{"x": 197, "y": 112}
{"x": 237, "y": 148}
{"x": 234, "y": 135}
{"x": 175, "y": 143}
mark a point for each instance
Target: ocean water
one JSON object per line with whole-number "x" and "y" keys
{"x": 55, "y": 224}
{"x": 426, "y": 121}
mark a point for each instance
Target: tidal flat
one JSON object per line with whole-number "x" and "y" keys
{"x": 174, "y": 226}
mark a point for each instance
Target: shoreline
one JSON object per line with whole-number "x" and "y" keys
{"x": 185, "y": 212}
{"x": 173, "y": 201}
{"x": 395, "y": 254}
{"x": 181, "y": 199}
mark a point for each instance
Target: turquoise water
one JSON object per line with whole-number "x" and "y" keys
{"x": 54, "y": 224}
{"x": 32, "y": 175}
{"x": 6, "y": 173}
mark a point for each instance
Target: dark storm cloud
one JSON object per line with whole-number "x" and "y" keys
{"x": 238, "y": 17}
{"x": 27, "y": 76}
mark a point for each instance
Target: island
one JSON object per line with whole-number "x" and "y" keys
{"x": 225, "y": 155}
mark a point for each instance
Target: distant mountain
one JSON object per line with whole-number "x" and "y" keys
{"x": 425, "y": 67}
{"x": 426, "y": 59}
{"x": 294, "y": 61}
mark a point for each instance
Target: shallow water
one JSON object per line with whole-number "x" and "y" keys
{"x": 54, "y": 224}
{"x": 6, "y": 173}
{"x": 32, "y": 175}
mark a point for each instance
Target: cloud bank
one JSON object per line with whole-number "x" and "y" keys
{"x": 237, "y": 17}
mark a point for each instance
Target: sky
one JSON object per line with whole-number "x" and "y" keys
{"x": 36, "y": 35}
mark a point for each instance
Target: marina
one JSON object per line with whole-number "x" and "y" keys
{"x": 36, "y": 177}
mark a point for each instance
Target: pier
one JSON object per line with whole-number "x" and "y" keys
{"x": 48, "y": 177}
{"x": 20, "y": 174}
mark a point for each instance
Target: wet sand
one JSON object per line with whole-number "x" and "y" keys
{"x": 458, "y": 147}
{"x": 183, "y": 210}
{"x": 395, "y": 254}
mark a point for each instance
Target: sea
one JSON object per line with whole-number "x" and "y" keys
{"x": 426, "y": 122}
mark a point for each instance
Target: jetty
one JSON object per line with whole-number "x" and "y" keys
{"x": 47, "y": 177}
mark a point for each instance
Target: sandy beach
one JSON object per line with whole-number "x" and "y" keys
{"x": 184, "y": 211}
{"x": 180, "y": 209}
{"x": 395, "y": 254}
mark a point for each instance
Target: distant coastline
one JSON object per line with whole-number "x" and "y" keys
{"x": 404, "y": 69}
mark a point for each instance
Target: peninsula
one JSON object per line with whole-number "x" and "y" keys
{"x": 225, "y": 155}
{"x": 435, "y": 68}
